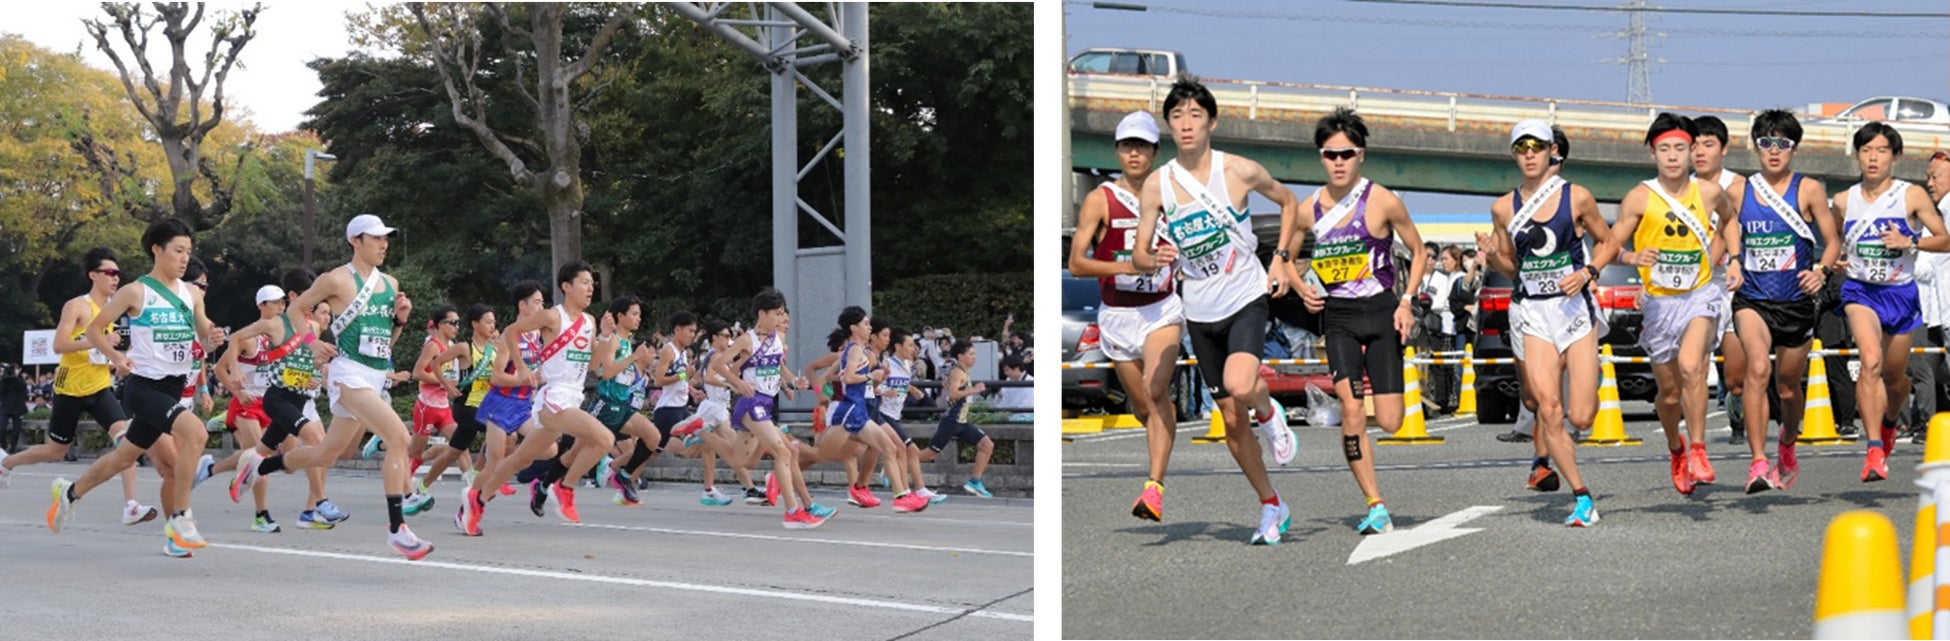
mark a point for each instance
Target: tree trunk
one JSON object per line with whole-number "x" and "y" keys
{"x": 564, "y": 205}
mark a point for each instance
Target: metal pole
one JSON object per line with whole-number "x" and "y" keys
{"x": 310, "y": 228}
{"x": 785, "y": 157}
{"x": 859, "y": 207}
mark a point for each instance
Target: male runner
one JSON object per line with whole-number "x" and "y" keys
{"x": 438, "y": 374}
{"x": 1709, "y": 156}
{"x": 1357, "y": 223}
{"x": 1142, "y": 320}
{"x": 1882, "y": 220}
{"x": 166, "y": 316}
{"x": 1552, "y": 315}
{"x": 368, "y": 308}
{"x": 1208, "y": 238}
{"x": 1779, "y": 274}
{"x": 619, "y": 365}
{"x": 473, "y": 359}
{"x": 1676, "y": 226}
{"x": 82, "y": 383}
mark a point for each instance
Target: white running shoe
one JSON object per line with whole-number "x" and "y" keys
{"x": 1277, "y": 433}
{"x": 137, "y": 513}
{"x": 412, "y": 547}
{"x": 5, "y": 475}
{"x": 182, "y": 529}
{"x": 1273, "y": 522}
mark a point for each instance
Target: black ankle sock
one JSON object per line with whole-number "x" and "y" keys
{"x": 72, "y": 498}
{"x": 264, "y": 514}
{"x": 1583, "y": 491}
{"x": 176, "y": 513}
{"x": 393, "y": 516}
{"x": 638, "y": 457}
{"x": 555, "y": 472}
{"x": 1541, "y": 461}
{"x": 271, "y": 464}
{"x": 320, "y": 503}
{"x": 534, "y": 471}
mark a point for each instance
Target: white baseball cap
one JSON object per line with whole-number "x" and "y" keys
{"x": 269, "y": 293}
{"x": 1534, "y": 128}
{"x": 1139, "y": 125}
{"x": 366, "y": 224}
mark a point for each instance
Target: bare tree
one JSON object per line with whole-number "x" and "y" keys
{"x": 162, "y": 101}
{"x": 556, "y": 142}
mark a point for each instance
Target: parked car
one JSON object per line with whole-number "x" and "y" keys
{"x": 1498, "y": 391}
{"x": 1143, "y": 62}
{"x": 1920, "y": 111}
{"x": 1093, "y": 388}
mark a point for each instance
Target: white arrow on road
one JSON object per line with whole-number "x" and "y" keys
{"x": 1400, "y": 540}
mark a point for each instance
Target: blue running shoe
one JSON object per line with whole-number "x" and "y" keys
{"x": 1273, "y": 522}
{"x": 311, "y": 520}
{"x": 603, "y": 470}
{"x": 975, "y": 487}
{"x": 331, "y": 512}
{"x": 371, "y": 449}
{"x": 203, "y": 466}
{"x": 821, "y": 511}
{"x": 1377, "y": 521}
{"x": 1584, "y": 515}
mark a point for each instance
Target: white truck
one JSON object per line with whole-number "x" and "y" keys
{"x": 1144, "y": 62}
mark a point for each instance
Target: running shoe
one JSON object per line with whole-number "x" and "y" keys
{"x": 687, "y": 428}
{"x": 183, "y": 530}
{"x": 801, "y": 520}
{"x": 264, "y": 525}
{"x": 467, "y": 478}
{"x": 62, "y": 509}
{"x": 408, "y": 545}
{"x": 603, "y": 471}
{"x": 910, "y": 502}
{"x": 1761, "y": 477}
{"x": 6, "y": 476}
{"x": 419, "y": 486}
{"x": 1542, "y": 479}
{"x": 1150, "y": 503}
{"x": 1682, "y": 473}
{"x": 172, "y": 550}
{"x": 137, "y": 513}
{"x": 859, "y": 495}
{"x": 246, "y": 474}
{"x": 1275, "y": 430}
{"x": 1585, "y": 514}
{"x": 371, "y": 449}
{"x": 625, "y": 490}
{"x": 1273, "y": 522}
{"x": 1790, "y": 464}
{"x": 1702, "y": 469}
{"x": 1889, "y": 431}
{"x": 975, "y": 487}
{"x": 331, "y": 512}
{"x": 507, "y": 489}
{"x": 1514, "y": 436}
{"x": 933, "y": 496}
{"x": 712, "y": 497}
{"x": 311, "y": 520}
{"x": 821, "y": 512}
{"x": 565, "y": 503}
{"x": 1876, "y": 466}
{"x": 469, "y": 518}
{"x": 416, "y": 503}
{"x": 1377, "y": 522}
{"x": 771, "y": 489}
{"x": 753, "y": 496}
{"x": 884, "y": 481}
{"x": 203, "y": 466}
{"x": 1737, "y": 419}
{"x": 693, "y": 440}
{"x": 537, "y": 498}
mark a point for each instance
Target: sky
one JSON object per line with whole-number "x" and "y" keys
{"x": 1746, "y": 62}
{"x": 270, "y": 80}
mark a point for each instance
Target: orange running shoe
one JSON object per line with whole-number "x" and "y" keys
{"x": 1876, "y": 466}
{"x": 1542, "y": 479}
{"x": 1682, "y": 474}
{"x": 1702, "y": 469}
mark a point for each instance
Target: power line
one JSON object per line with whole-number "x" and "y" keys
{"x": 1620, "y": 9}
{"x": 1234, "y": 14}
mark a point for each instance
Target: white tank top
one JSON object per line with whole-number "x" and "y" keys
{"x": 570, "y": 365}
{"x": 898, "y": 376}
{"x": 676, "y": 394}
{"x": 1868, "y": 260}
{"x": 160, "y": 334}
{"x": 761, "y": 371}
{"x": 714, "y": 388}
{"x": 1216, "y": 249}
{"x": 258, "y": 377}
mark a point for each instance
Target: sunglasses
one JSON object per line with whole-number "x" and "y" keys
{"x": 1528, "y": 146}
{"x": 450, "y": 321}
{"x": 1774, "y": 143}
{"x": 201, "y": 285}
{"x": 111, "y": 273}
{"x": 1341, "y": 153}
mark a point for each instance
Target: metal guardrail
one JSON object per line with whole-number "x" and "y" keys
{"x": 1500, "y": 361}
{"x": 1261, "y": 99}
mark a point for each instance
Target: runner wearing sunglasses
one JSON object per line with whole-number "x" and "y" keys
{"x": 1192, "y": 216}
{"x": 1357, "y": 223}
{"x": 1783, "y": 219}
{"x": 1674, "y": 224}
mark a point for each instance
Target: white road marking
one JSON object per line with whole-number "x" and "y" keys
{"x": 595, "y": 578}
{"x": 796, "y": 539}
{"x": 1398, "y": 541}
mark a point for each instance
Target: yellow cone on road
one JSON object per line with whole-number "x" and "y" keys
{"x": 1466, "y": 403}
{"x": 1414, "y": 429}
{"x": 1860, "y": 592}
{"x": 1818, "y": 417}
{"x": 1608, "y": 428}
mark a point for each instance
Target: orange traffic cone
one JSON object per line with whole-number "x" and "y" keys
{"x": 1466, "y": 403}
{"x": 1414, "y": 429}
{"x": 1608, "y": 428}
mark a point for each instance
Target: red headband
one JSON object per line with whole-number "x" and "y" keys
{"x": 1673, "y": 133}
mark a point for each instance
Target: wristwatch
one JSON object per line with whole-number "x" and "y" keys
{"x": 1591, "y": 270}
{"x": 1282, "y": 254}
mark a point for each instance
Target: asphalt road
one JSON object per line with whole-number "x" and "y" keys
{"x": 1720, "y": 564}
{"x": 671, "y": 569}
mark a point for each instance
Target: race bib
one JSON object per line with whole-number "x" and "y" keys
{"x": 297, "y": 379}
{"x": 378, "y": 345}
{"x": 1878, "y": 264}
{"x": 1203, "y": 249}
{"x": 173, "y": 344}
{"x": 96, "y": 357}
{"x": 1341, "y": 262}
{"x": 1541, "y": 273}
{"x": 1151, "y": 283}
{"x": 1769, "y": 252}
{"x": 1676, "y": 269}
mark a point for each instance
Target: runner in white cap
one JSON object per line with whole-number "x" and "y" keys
{"x": 368, "y": 310}
{"x": 1142, "y": 319}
